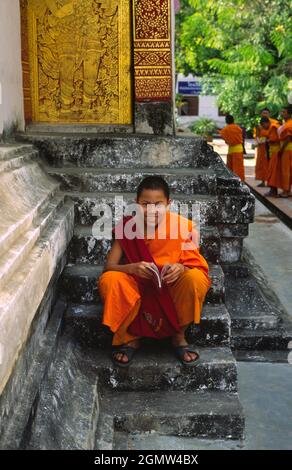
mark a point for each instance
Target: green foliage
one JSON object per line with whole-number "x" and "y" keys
{"x": 204, "y": 127}
{"x": 243, "y": 51}
{"x": 179, "y": 100}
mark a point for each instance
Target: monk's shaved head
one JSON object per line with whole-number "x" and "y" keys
{"x": 265, "y": 112}
{"x": 229, "y": 119}
{"x": 153, "y": 182}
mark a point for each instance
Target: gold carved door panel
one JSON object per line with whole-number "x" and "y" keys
{"x": 80, "y": 54}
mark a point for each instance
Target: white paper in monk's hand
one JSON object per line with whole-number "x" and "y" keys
{"x": 158, "y": 277}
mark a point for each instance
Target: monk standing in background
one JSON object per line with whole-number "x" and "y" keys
{"x": 262, "y": 170}
{"x": 232, "y": 134}
{"x": 272, "y": 150}
{"x": 267, "y": 113}
{"x": 132, "y": 303}
{"x": 285, "y": 134}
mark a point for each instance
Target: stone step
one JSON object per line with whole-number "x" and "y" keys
{"x": 49, "y": 211}
{"x": 60, "y": 423}
{"x": 205, "y": 413}
{"x": 124, "y": 151}
{"x": 17, "y": 253}
{"x": 32, "y": 366}
{"x": 76, "y": 128}
{"x": 24, "y": 192}
{"x": 89, "y": 205}
{"x": 262, "y": 339}
{"x": 247, "y": 305}
{"x": 180, "y": 180}
{"x": 10, "y": 151}
{"x": 79, "y": 283}
{"x": 216, "y": 248}
{"x": 105, "y": 432}
{"x": 255, "y": 321}
{"x": 23, "y": 292}
{"x": 206, "y": 210}
{"x": 86, "y": 248}
{"x": 18, "y": 161}
{"x": 237, "y": 270}
{"x": 86, "y": 322}
{"x": 155, "y": 367}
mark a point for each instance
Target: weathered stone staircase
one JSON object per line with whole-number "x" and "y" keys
{"x": 36, "y": 225}
{"x": 155, "y": 393}
{"x": 84, "y": 402}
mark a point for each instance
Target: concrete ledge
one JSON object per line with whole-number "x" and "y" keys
{"x": 23, "y": 294}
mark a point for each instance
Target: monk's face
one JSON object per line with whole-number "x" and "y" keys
{"x": 154, "y": 204}
{"x": 265, "y": 114}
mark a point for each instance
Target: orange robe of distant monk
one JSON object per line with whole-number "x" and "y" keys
{"x": 120, "y": 294}
{"x": 286, "y": 158}
{"x": 262, "y": 162}
{"x": 232, "y": 134}
{"x": 274, "y": 167}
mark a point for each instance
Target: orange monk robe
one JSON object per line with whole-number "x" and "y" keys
{"x": 262, "y": 162}
{"x": 232, "y": 134}
{"x": 274, "y": 167}
{"x": 120, "y": 293}
{"x": 286, "y": 158}
{"x": 273, "y": 121}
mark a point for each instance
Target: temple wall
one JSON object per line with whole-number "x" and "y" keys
{"x": 11, "y": 94}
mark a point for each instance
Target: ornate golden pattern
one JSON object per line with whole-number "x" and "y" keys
{"x": 80, "y": 60}
{"x": 152, "y": 58}
{"x": 152, "y": 50}
{"x": 152, "y": 19}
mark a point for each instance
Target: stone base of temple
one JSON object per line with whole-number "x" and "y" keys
{"x": 21, "y": 391}
{"x": 87, "y": 129}
{"x": 36, "y": 227}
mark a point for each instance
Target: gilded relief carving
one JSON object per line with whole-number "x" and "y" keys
{"x": 80, "y": 60}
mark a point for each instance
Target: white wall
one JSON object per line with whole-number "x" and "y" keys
{"x": 208, "y": 107}
{"x": 11, "y": 98}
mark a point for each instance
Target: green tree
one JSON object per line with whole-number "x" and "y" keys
{"x": 242, "y": 49}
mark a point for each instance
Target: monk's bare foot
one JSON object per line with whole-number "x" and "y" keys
{"x": 179, "y": 340}
{"x": 122, "y": 357}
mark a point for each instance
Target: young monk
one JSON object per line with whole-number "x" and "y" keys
{"x": 285, "y": 134}
{"x": 272, "y": 150}
{"x": 267, "y": 113}
{"x": 133, "y": 306}
{"x": 232, "y": 134}
{"x": 262, "y": 158}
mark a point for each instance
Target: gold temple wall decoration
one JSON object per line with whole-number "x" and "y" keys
{"x": 80, "y": 60}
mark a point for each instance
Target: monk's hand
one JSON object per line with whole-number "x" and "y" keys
{"x": 173, "y": 273}
{"x": 140, "y": 269}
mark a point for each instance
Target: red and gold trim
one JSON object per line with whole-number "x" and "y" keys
{"x": 152, "y": 50}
